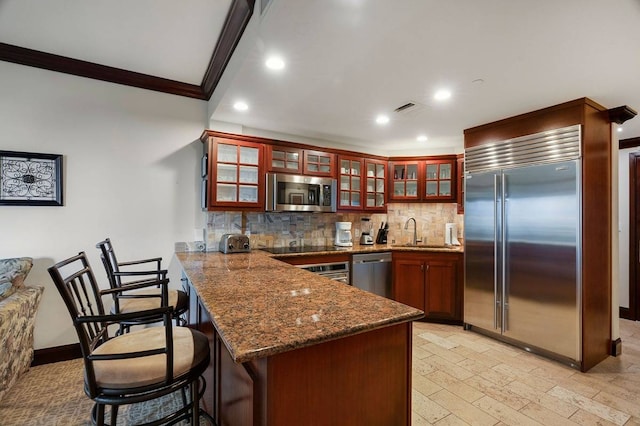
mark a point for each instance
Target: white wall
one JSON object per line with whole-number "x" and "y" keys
{"x": 615, "y": 237}
{"x": 623, "y": 228}
{"x": 131, "y": 173}
{"x": 623, "y": 205}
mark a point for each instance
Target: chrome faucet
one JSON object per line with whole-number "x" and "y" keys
{"x": 415, "y": 230}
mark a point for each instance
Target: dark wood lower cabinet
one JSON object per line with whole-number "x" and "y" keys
{"x": 236, "y": 385}
{"x": 357, "y": 380}
{"x": 363, "y": 379}
{"x": 409, "y": 280}
{"x": 431, "y": 282}
{"x": 209, "y": 402}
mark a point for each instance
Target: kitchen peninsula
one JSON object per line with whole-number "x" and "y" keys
{"x": 290, "y": 347}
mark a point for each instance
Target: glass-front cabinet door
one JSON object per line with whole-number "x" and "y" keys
{"x": 237, "y": 176}
{"x": 284, "y": 159}
{"x": 318, "y": 163}
{"x": 375, "y": 182}
{"x": 439, "y": 180}
{"x": 404, "y": 181}
{"x": 350, "y": 182}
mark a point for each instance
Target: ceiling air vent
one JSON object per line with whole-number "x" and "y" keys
{"x": 408, "y": 108}
{"x": 405, "y": 107}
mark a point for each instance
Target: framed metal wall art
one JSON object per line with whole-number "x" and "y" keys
{"x": 30, "y": 179}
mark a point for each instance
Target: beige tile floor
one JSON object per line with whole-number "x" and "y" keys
{"x": 464, "y": 378}
{"x": 459, "y": 378}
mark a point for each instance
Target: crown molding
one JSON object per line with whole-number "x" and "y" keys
{"x": 235, "y": 23}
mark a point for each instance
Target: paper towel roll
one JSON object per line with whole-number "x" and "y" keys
{"x": 451, "y": 234}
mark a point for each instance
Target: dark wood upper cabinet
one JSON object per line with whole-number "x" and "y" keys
{"x": 235, "y": 176}
{"x": 234, "y": 169}
{"x": 404, "y": 180}
{"x": 375, "y": 185}
{"x": 361, "y": 184}
{"x": 350, "y": 182}
{"x": 439, "y": 180}
{"x": 423, "y": 179}
{"x": 318, "y": 163}
{"x": 295, "y": 160}
{"x": 284, "y": 159}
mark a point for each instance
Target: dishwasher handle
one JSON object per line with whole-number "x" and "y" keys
{"x": 371, "y": 258}
{"x": 372, "y": 261}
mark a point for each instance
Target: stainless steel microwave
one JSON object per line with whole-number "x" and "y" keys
{"x": 300, "y": 193}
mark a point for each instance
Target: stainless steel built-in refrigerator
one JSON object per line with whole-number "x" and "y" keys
{"x": 522, "y": 242}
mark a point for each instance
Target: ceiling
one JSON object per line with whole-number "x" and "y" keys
{"x": 180, "y": 48}
{"x": 347, "y": 61}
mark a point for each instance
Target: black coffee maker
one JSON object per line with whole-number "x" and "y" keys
{"x": 381, "y": 236}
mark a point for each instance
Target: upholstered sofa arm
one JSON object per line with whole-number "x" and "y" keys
{"x": 17, "y": 319}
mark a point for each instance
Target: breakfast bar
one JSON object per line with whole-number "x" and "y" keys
{"x": 291, "y": 347}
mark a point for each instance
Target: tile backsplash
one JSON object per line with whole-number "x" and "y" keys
{"x": 430, "y": 221}
{"x": 318, "y": 229}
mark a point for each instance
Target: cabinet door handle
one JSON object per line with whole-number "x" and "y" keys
{"x": 422, "y": 267}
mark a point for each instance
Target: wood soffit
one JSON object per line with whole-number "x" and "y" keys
{"x": 621, "y": 114}
{"x": 629, "y": 143}
{"x": 236, "y": 21}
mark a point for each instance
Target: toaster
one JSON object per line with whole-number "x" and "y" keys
{"x": 234, "y": 243}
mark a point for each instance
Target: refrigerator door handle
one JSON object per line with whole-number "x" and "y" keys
{"x": 503, "y": 257}
{"x": 495, "y": 252}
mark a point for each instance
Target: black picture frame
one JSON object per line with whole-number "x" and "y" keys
{"x": 30, "y": 179}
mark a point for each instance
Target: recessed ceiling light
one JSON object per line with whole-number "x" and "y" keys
{"x": 274, "y": 63}
{"x": 422, "y": 138}
{"x": 442, "y": 95}
{"x": 382, "y": 119}
{"x": 241, "y": 106}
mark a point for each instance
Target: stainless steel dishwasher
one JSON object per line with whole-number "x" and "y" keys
{"x": 372, "y": 272}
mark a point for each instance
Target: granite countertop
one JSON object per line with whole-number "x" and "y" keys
{"x": 261, "y": 306}
{"x": 357, "y": 249}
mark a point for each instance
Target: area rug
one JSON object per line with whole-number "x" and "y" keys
{"x": 53, "y": 394}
